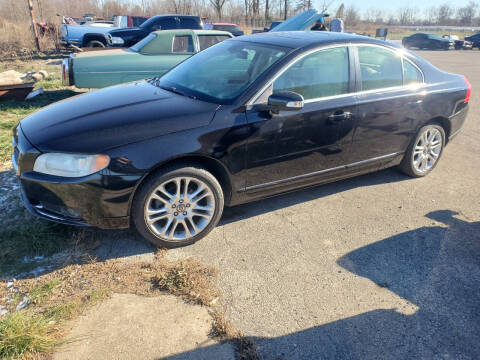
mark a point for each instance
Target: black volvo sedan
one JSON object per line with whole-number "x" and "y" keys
{"x": 245, "y": 119}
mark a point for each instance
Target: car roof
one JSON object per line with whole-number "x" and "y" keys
{"x": 223, "y": 23}
{"x": 301, "y": 39}
{"x": 190, "y": 32}
{"x": 175, "y": 15}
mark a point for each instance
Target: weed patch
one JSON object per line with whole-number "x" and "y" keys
{"x": 24, "y": 333}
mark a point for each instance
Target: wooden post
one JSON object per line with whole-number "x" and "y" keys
{"x": 34, "y": 26}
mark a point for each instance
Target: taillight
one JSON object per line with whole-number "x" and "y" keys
{"x": 469, "y": 90}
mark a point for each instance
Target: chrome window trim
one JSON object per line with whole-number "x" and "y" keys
{"x": 399, "y": 52}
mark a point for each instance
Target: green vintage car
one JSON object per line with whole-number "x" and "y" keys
{"x": 153, "y": 56}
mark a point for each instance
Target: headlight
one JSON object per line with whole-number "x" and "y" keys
{"x": 70, "y": 165}
{"x": 117, "y": 40}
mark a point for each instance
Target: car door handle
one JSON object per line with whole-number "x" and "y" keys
{"x": 340, "y": 116}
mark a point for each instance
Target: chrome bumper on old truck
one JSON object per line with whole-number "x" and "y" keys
{"x": 67, "y": 71}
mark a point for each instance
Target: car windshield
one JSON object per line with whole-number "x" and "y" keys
{"x": 434, "y": 36}
{"x": 139, "y": 45}
{"x": 222, "y": 72}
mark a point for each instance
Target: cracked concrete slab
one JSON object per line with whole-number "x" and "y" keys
{"x": 128, "y": 326}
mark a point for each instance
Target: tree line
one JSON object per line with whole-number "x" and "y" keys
{"x": 246, "y": 12}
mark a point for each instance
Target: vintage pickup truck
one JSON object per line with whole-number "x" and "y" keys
{"x": 92, "y": 35}
{"x": 153, "y": 56}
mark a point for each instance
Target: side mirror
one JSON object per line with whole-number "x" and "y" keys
{"x": 285, "y": 101}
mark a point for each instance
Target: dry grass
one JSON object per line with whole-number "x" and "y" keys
{"x": 16, "y": 39}
{"x": 65, "y": 293}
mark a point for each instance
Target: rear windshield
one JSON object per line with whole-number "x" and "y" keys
{"x": 139, "y": 45}
{"x": 206, "y": 41}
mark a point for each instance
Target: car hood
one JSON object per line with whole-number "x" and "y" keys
{"x": 300, "y": 22}
{"x": 114, "y": 116}
{"x": 125, "y": 31}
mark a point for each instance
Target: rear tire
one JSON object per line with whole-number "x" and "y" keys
{"x": 95, "y": 44}
{"x": 178, "y": 205}
{"x": 424, "y": 151}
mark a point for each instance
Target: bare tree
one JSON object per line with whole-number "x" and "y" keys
{"x": 218, "y": 5}
{"x": 431, "y": 15}
{"x": 406, "y": 16}
{"x": 352, "y": 16}
{"x": 466, "y": 14}
{"x": 445, "y": 13}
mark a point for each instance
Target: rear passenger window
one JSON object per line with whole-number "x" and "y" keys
{"x": 411, "y": 73}
{"x": 321, "y": 74}
{"x": 206, "y": 41}
{"x": 182, "y": 44}
{"x": 380, "y": 68}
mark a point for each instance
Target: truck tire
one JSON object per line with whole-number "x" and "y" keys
{"x": 95, "y": 44}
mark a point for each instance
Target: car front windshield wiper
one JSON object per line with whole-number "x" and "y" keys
{"x": 173, "y": 89}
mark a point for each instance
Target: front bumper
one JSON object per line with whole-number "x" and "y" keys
{"x": 82, "y": 202}
{"x": 67, "y": 71}
{"x": 100, "y": 200}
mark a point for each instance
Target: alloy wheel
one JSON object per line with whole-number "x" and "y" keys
{"x": 179, "y": 208}
{"x": 427, "y": 150}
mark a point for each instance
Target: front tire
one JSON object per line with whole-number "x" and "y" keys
{"x": 178, "y": 206}
{"x": 424, "y": 151}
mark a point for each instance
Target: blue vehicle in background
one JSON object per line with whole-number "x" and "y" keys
{"x": 300, "y": 22}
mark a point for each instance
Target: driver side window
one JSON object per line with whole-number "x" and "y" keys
{"x": 321, "y": 74}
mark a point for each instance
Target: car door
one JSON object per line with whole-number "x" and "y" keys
{"x": 388, "y": 105}
{"x": 291, "y": 145}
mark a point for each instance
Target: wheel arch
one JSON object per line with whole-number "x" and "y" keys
{"x": 89, "y": 37}
{"x": 444, "y": 123}
{"x": 214, "y": 166}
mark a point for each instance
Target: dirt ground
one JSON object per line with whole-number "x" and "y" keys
{"x": 129, "y": 326}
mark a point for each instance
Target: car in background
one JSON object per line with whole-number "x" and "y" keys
{"x": 243, "y": 120}
{"x": 475, "y": 40}
{"x": 124, "y": 21}
{"x": 153, "y": 56}
{"x": 232, "y": 28}
{"x": 266, "y": 29}
{"x": 427, "y": 41}
{"x": 93, "y": 35}
{"x": 130, "y": 36}
{"x": 301, "y": 22}
{"x": 458, "y": 44}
